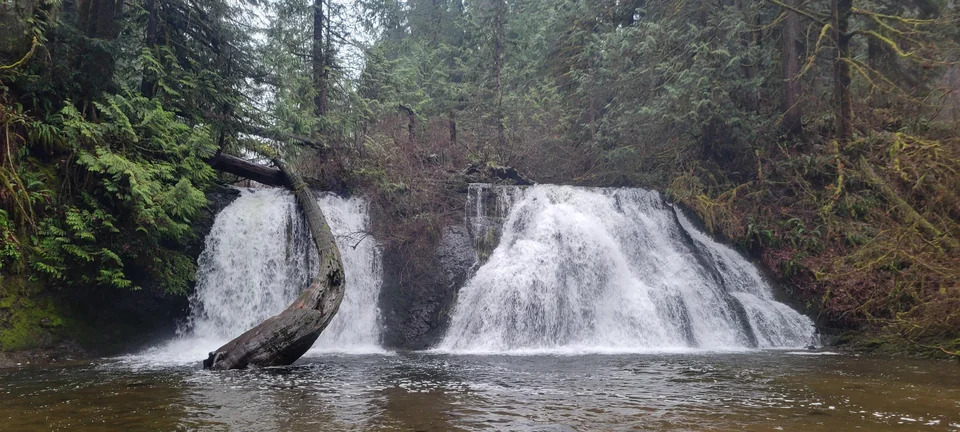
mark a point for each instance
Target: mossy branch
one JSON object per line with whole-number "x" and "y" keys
{"x": 818, "y": 48}
{"x": 26, "y": 57}
{"x": 814, "y": 18}
{"x": 913, "y": 22}
{"x": 949, "y": 243}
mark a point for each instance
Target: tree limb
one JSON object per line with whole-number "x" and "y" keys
{"x": 908, "y": 212}
{"x": 816, "y": 19}
{"x": 256, "y": 172}
{"x": 263, "y": 132}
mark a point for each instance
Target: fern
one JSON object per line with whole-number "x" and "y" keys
{"x": 147, "y": 177}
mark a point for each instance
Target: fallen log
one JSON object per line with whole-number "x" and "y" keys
{"x": 907, "y": 211}
{"x": 256, "y": 172}
{"x": 282, "y": 339}
{"x": 266, "y": 175}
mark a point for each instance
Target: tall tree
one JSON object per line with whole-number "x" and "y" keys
{"x": 318, "y": 57}
{"x": 911, "y": 31}
{"x": 499, "y": 23}
{"x": 792, "y": 112}
{"x": 842, "y": 77}
{"x": 151, "y": 41}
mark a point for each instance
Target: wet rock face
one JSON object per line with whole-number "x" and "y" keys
{"x": 415, "y": 314}
{"x": 456, "y": 254}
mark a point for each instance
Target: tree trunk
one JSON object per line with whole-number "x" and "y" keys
{"x": 148, "y": 82}
{"x": 453, "y": 128}
{"x": 256, "y": 172}
{"x": 97, "y": 18}
{"x": 84, "y": 8}
{"x": 792, "y": 116}
{"x": 106, "y": 24}
{"x": 411, "y": 123}
{"x": 498, "y": 41}
{"x": 282, "y": 339}
{"x": 327, "y": 58}
{"x": 319, "y": 59}
{"x": 842, "y": 77}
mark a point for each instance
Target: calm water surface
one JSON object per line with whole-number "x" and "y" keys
{"x": 758, "y": 391}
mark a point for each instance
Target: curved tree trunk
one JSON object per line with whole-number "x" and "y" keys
{"x": 282, "y": 339}
{"x": 792, "y": 118}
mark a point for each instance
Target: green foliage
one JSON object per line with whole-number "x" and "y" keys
{"x": 102, "y": 138}
{"x": 146, "y": 177}
{"x": 9, "y": 244}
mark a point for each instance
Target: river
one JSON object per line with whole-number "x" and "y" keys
{"x": 751, "y": 390}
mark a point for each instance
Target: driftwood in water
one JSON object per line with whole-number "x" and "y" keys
{"x": 282, "y": 339}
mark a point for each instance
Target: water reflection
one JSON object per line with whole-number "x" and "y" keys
{"x": 757, "y": 391}
{"x": 85, "y": 398}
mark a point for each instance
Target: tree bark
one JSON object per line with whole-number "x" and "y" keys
{"x": 106, "y": 24}
{"x": 792, "y": 116}
{"x": 498, "y": 41}
{"x": 148, "y": 82}
{"x": 453, "y": 128}
{"x": 327, "y": 58}
{"x": 842, "y": 76}
{"x": 411, "y": 123}
{"x": 284, "y": 338}
{"x": 256, "y": 172}
{"x": 319, "y": 59}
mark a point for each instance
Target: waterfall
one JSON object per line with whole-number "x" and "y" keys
{"x": 608, "y": 270}
{"x": 258, "y": 257}
{"x": 255, "y": 260}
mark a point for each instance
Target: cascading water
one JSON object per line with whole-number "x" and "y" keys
{"x": 609, "y": 270}
{"x": 258, "y": 256}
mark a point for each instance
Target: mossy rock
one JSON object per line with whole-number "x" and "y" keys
{"x": 27, "y": 318}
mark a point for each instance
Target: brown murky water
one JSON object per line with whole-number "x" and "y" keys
{"x": 758, "y": 391}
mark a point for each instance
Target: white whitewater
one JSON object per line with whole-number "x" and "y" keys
{"x": 258, "y": 256}
{"x": 609, "y": 270}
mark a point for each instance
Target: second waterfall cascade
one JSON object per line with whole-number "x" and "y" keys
{"x": 588, "y": 270}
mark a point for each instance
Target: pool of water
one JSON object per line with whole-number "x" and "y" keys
{"x": 755, "y": 391}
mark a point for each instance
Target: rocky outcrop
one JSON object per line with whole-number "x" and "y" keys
{"x": 416, "y": 313}
{"x": 416, "y": 299}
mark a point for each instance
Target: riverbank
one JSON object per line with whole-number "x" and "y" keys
{"x": 61, "y": 354}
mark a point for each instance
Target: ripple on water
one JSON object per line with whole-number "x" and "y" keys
{"x": 753, "y": 391}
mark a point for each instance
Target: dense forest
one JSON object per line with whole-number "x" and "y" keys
{"x": 820, "y": 136}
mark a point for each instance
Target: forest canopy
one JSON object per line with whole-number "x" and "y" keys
{"x": 820, "y": 136}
